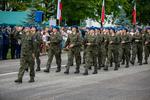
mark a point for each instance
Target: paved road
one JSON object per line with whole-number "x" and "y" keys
{"x": 125, "y": 84}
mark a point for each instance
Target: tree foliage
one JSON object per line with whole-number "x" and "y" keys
{"x": 78, "y": 10}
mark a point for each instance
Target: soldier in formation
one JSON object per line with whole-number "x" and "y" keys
{"x": 103, "y": 48}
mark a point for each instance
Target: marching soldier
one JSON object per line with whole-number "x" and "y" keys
{"x": 125, "y": 43}
{"x": 100, "y": 40}
{"x": 120, "y": 48}
{"x": 91, "y": 49}
{"x": 37, "y": 40}
{"x": 137, "y": 48}
{"x": 54, "y": 49}
{"x": 27, "y": 56}
{"x": 147, "y": 45}
{"x": 73, "y": 44}
{"x": 113, "y": 52}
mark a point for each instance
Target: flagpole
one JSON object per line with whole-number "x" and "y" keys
{"x": 59, "y": 10}
{"x": 59, "y": 22}
{"x": 134, "y": 16}
{"x": 102, "y": 13}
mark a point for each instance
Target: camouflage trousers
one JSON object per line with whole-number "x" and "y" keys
{"x": 101, "y": 56}
{"x": 91, "y": 60}
{"x": 71, "y": 54}
{"x": 137, "y": 50}
{"x": 113, "y": 56}
{"x": 26, "y": 62}
{"x": 37, "y": 58}
{"x": 146, "y": 52}
{"x": 51, "y": 54}
{"x": 126, "y": 53}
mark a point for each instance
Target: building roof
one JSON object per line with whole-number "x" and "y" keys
{"x": 13, "y": 18}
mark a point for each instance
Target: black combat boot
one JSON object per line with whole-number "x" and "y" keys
{"x": 99, "y": 67}
{"x": 132, "y": 62}
{"x": 105, "y": 68}
{"x": 18, "y": 81}
{"x": 119, "y": 65}
{"x": 38, "y": 69}
{"x": 58, "y": 69}
{"x": 140, "y": 63}
{"x": 145, "y": 62}
{"x": 46, "y": 70}
{"x": 127, "y": 65}
{"x": 116, "y": 67}
{"x": 67, "y": 71}
{"x": 95, "y": 70}
{"x": 31, "y": 80}
{"x": 86, "y": 72}
{"x": 77, "y": 70}
{"x": 123, "y": 62}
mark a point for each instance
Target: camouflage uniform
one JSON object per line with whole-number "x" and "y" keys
{"x": 101, "y": 41}
{"x": 113, "y": 51}
{"x": 36, "y": 44}
{"x": 90, "y": 53}
{"x": 147, "y": 47}
{"x": 126, "y": 40}
{"x": 137, "y": 48}
{"x": 74, "y": 51}
{"x": 120, "y": 50}
{"x": 55, "y": 49}
{"x": 27, "y": 59}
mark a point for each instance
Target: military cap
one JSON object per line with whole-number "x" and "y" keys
{"x": 75, "y": 26}
{"x": 147, "y": 28}
{"x": 55, "y": 27}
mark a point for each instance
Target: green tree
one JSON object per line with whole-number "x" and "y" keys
{"x": 122, "y": 18}
{"x": 143, "y": 11}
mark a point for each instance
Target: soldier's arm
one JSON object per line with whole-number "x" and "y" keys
{"x": 57, "y": 39}
{"x": 78, "y": 42}
{"x": 39, "y": 38}
{"x": 67, "y": 42}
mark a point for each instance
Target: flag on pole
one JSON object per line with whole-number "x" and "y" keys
{"x": 103, "y": 12}
{"x": 134, "y": 14}
{"x": 59, "y": 10}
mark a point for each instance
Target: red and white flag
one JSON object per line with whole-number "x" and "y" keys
{"x": 103, "y": 12}
{"x": 134, "y": 15}
{"x": 59, "y": 10}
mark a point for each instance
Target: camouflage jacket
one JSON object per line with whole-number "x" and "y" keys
{"x": 55, "y": 40}
{"x": 91, "y": 39}
{"x": 27, "y": 45}
{"x": 74, "y": 39}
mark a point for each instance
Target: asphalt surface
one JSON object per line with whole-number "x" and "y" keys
{"x": 125, "y": 84}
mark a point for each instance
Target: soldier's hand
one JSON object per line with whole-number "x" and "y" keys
{"x": 72, "y": 45}
{"x": 88, "y": 43}
{"x": 67, "y": 47}
{"x": 110, "y": 42}
{"x": 123, "y": 42}
{"x": 48, "y": 46}
{"x": 136, "y": 40}
{"x": 33, "y": 56}
{"x": 146, "y": 42}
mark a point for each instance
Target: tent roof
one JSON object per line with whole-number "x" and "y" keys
{"x": 13, "y": 18}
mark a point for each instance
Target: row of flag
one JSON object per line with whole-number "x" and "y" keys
{"x": 59, "y": 12}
